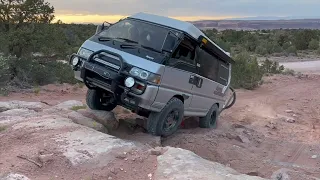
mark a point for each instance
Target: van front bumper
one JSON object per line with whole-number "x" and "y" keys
{"x": 96, "y": 76}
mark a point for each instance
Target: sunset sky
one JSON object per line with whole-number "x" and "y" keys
{"x": 96, "y": 11}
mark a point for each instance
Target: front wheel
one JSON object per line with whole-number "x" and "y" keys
{"x": 211, "y": 119}
{"x": 98, "y": 100}
{"x": 167, "y": 121}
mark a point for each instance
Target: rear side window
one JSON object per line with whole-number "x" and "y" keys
{"x": 223, "y": 74}
{"x": 212, "y": 67}
{"x": 183, "y": 57}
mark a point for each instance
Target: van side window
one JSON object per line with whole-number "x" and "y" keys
{"x": 185, "y": 51}
{"x": 212, "y": 67}
{"x": 223, "y": 73}
{"x": 209, "y": 67}
{"x": 184, "y": 56}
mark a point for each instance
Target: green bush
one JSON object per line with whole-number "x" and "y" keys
{"x": 4, "y": 42}
{"x": 289, "y": 72}
{"x": 292, "y": 50}
{"x": 246, "y": 72}
{"x": 286, "y": 45}
{"x": 3, "y": 128}
{"x": 31, "y": 73}
{"x": 4, "y": 71}
{"x": 276, "y": 48}
{"x": 318, "y": 51}
{"x": 271, "y": 67}
{"x": 261, "y": 50}
{"x": 25, "y": 73}
{"x": 314, "y": 44}
{"x": 62, "y": 72}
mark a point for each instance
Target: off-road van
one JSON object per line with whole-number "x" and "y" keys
{"x": 158, "y": 67}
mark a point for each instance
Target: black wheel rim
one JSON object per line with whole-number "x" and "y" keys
{"x": 171, "y": 120}
{"x": 106, "y": 99}
{"x": 213, "y": 118}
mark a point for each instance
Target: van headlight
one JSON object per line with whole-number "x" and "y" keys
{"x": 85, "y": 52}
{"x": 75, "y": 61}
{"x": 145, "y": 75}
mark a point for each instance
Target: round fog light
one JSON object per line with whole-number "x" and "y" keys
{"x": 75, "y": 61}
{"x": 129, "y": 82}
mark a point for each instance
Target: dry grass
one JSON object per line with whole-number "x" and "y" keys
{"x": 76, "y": 108}
{"x": 3, "y": 128}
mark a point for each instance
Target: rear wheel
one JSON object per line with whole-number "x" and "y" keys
{"x": 167, "y": 121}
{"x": 211, "y": 119}
{"x": 99, "y": 100}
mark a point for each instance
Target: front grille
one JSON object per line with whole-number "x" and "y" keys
{"x": 108, "y": 61}
{"x": 92, "y": 76}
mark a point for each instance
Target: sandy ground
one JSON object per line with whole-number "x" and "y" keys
{"x": 276, "y": 126}
{"x": 304, "y": 67}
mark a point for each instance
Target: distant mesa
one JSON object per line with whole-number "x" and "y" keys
{"x": 258, "y": 23}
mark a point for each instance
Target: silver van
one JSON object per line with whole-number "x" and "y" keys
{"x": 160, "y": 68}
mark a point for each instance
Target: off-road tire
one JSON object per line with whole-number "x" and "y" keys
{"x": 93, "y": 101}
{"x": 156, "y": 120}
{"x": 211, "y": 119}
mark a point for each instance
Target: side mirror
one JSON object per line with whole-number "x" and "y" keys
{"x": 102, "y": 27}
{"x": 99, "y": 29}
{"x": 170, "y": 43}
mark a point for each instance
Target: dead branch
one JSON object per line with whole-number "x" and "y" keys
{"x": 30, "y": 160}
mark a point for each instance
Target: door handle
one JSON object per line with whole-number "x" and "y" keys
{"x": 195, "y": 80}
{"x": 191, "y": 79}
{"x": 199, "y": 82}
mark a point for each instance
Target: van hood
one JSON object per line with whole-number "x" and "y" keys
{"x": 129, "y": 55}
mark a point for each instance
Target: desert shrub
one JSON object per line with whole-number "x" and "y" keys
{"x": 4, "y": 42}
{"x": 223, "y": 44}
{"x": 3, "y": 128}
{"x": 261, "y": 50}
{"x": 63, "y": 73}
{"x": 30, "y": 73}
{"x": 246, "y": 72}
{"x": 318, "y": 51}
{"x": 4, "y": 71}
{"x": 25, "y": 72}
{"x": 276, "y": 48}
{"x": 286, "y": 45}
{"x": 289, "y": 72}
{"x": 4, "y": 75}
{"x": 292, "y": 50}
{"x": 314, "y": 44}
{"x": 271, "y": 67}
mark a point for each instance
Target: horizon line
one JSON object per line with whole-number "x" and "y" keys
{"x": 88, "y": 18}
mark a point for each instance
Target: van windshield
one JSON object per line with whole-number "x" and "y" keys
{"x": 143, "y": 33}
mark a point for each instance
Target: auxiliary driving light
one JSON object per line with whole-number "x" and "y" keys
{"x": 129, "y": 82}
{"x": 75, "y": 61}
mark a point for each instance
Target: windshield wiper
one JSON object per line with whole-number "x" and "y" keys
{"x": 150, "y": 48}
{"x": 135, "y": 46}
{"x": 104, "y": 39}
{"x": 128, "y": 40}
{"x": 128, "y": 46}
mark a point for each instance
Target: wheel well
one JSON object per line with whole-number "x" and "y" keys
{"x": 179, "y": 97}
{"x": 217, "y": 104}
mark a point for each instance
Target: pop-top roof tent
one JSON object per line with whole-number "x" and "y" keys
{"x": 187, "y": 28}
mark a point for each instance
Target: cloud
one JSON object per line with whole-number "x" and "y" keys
{"x": 188, "y": 8}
